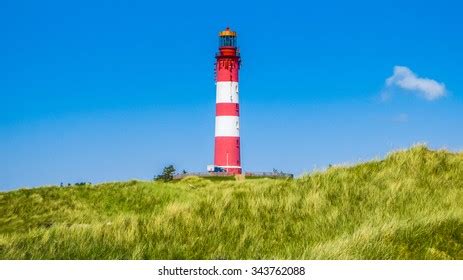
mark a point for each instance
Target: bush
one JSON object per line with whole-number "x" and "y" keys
{"x": 167, "y": 174}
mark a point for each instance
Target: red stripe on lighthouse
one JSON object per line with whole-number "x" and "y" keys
{"x": 227, "y": 152}
{"x": 227, "y": 65}
{"x": 229, "y": 73}
{"x": 227, "y": 109}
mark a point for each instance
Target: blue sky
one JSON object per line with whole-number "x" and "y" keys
{"x": 114, "y": 90}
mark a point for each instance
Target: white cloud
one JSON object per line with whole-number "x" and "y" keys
{"x": 405, "y": 79}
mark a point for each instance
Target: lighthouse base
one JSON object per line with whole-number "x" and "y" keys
{"x": 233, "y": 170}
{"x": 224, "y": 169}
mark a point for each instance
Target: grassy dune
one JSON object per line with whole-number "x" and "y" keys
{"x": 407, "y": 206}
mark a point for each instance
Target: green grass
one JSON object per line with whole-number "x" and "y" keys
{"x": 407, "y": 206}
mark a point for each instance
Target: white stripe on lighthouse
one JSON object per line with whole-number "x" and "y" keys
{"x": 227, "y": 92}
{"x": 227, "y": 126}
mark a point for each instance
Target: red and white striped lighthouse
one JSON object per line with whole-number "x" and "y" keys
{"x": 227, "y": 125}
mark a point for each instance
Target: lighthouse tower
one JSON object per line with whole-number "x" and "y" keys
{"x": 227, "y": 125}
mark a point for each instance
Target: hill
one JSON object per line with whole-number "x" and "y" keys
{"x": 406, "y": 206}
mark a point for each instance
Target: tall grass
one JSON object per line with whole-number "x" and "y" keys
{"x": 407, "y": 206}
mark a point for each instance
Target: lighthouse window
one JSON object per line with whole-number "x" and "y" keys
{"x": 227, "y": 41}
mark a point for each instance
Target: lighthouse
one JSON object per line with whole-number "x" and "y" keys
{"x": 227, "y": 124}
